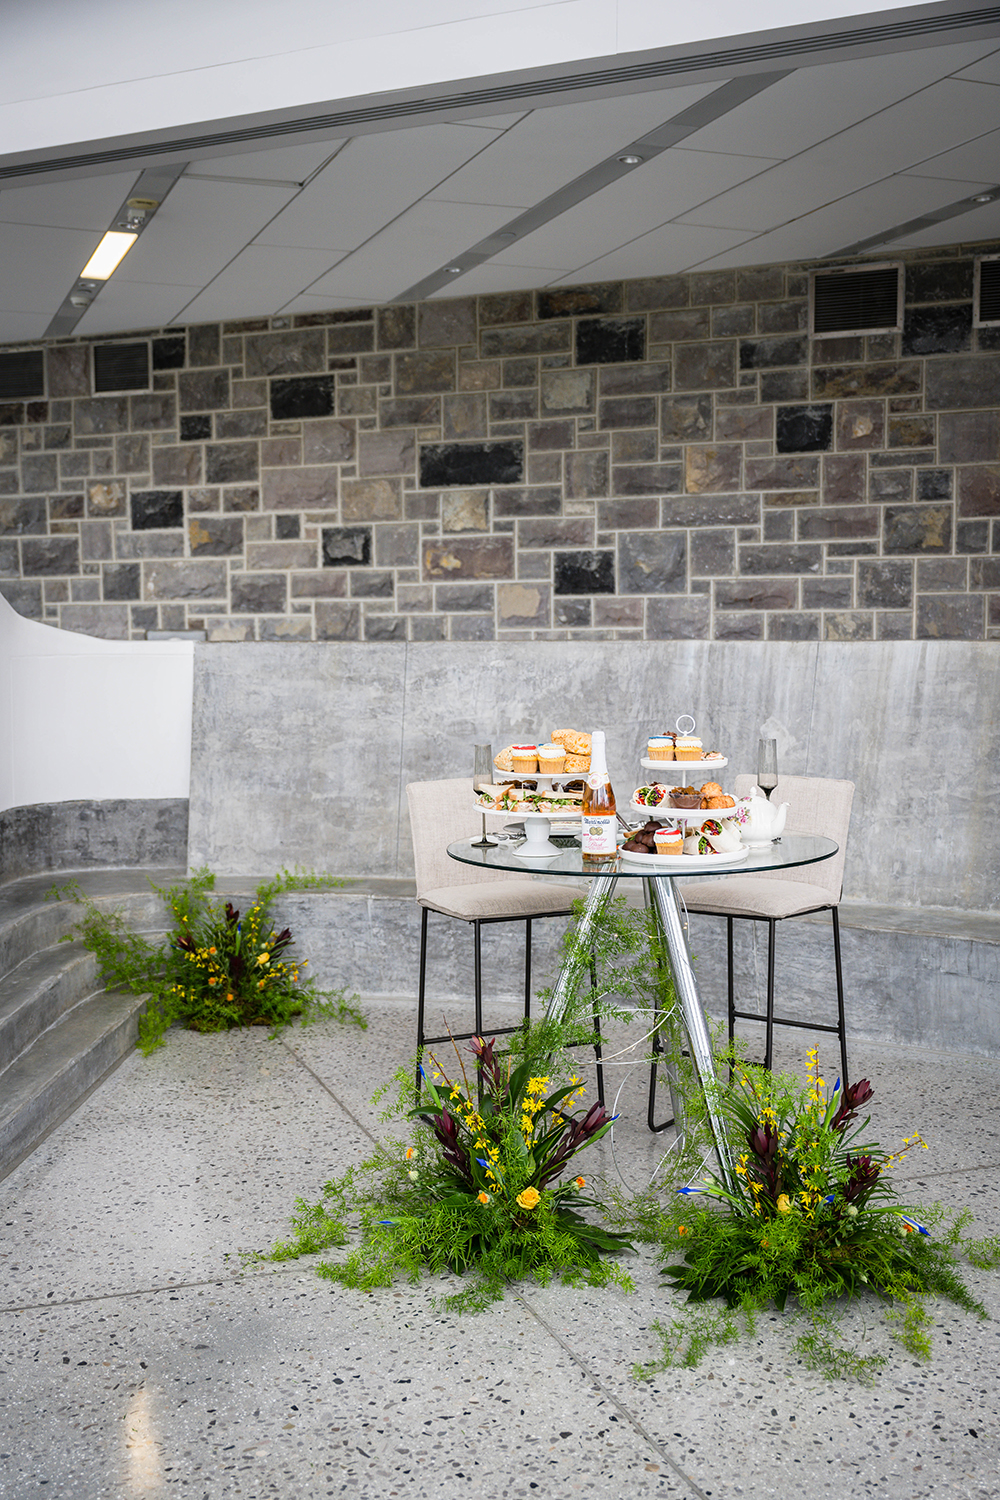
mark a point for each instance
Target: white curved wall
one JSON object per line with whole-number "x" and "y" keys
{"x": 113, "y": 68}
{"x": 85, "y": 719}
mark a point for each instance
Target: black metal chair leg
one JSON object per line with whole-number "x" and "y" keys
{"x": 527, "y": 968}
{"x": 598, "y": 1053}
{"x": 769, "y": 1041}
{"x": 841, "y": 1019}
{"x": 421, "y": 989}
{"x": 478, "y": 971}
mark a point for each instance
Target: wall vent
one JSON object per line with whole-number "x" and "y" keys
{"x": 22, "y": 374}
{"x": 857, "y": 299}
{"x": 121, "y": 367}
{"x": 986, "y": 307}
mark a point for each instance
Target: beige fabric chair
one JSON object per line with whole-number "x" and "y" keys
{"x": 441, "y": 813}
{"x": 815, "y": 805}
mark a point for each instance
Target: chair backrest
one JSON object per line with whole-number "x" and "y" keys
{"x": 816, "y": 804}
{"x": 441, "y": 812}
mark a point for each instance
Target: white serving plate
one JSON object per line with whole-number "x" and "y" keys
{"x": 664, "y": 812}
{"x": 677, "y": 863}
{"x": 683, "y": 766}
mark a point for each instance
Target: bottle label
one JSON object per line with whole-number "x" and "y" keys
{"x": 599, "y": 834}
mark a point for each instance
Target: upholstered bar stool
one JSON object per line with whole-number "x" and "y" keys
{"x": 441, "y": 813}
{"x": 815, "y": 805}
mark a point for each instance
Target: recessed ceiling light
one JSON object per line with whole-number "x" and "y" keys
{"x": 982, "y": 198}
{"x": 631, "y": 161}
{"x": 453, "y": 270}
{"x": 109, "y": 253}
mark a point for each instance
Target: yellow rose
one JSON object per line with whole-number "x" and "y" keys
{"x": 530, "y": 1198}
{"x": 784, "y": 1204}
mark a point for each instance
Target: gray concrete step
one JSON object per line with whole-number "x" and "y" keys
{"x": 40, "y": 990}
{"x": 47, "y": 1081}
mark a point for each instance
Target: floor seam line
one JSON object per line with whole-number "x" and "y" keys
{"x": 142, "y": 1291}
{"x": 327, "y": 1089}
{"x": 595, "y": 1380}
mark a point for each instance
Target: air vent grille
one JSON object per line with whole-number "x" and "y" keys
{"x": 121, "y": 367}
{"x": 866, "y": 300}
{"x": 22, "y": 374}
{"x": 987, "y": 304}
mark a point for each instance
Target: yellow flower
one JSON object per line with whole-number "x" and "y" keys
{"x": 264, "y": 958}
{"x": 784, "y": 1204}
{"x": 212, "y": 950}
{"x": 529, "y": 1199}
{"x": 482, "y": 1197}
{"x": 409, "y": 1153}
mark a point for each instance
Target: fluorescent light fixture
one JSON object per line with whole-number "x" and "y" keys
{"x": 109, "y": 253}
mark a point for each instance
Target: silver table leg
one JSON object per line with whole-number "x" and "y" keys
{"x": 665, "y": 902}
{"x": 602, "y": 888}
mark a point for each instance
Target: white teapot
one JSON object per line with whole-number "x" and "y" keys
{"x": 763, "y": 822}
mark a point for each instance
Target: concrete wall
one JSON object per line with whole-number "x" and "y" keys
{"x": 301, "y": 752}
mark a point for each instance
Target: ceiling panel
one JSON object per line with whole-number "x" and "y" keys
{"x": 814, "y": 103}
{"x": 975, "y": 159}
{"x": 551, "y": 147}
{"x": 670, "y": 248}
{"x": 417, "y": 243}
{"x": 307, "y": 303}
{"x": 200, "y": 227}
{"x": 21, "y": 328}
{"x": 286, "y": 164}
{"x": 987, "y": 71}
{"x": 261, "y": 276}
{"x": 125, "y": 305}
{"x": 889, "y": 142}
{"x": 37, "y": 261}
{"x": 374, "y": 178}
{"x": 657, "y": 191}
{"x": 980, "y": 224}
{"x": 492, "y": 276}
{"x": 837, "y": 225}
{"x": 85, "y": 203}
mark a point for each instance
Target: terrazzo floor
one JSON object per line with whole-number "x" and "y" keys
{"x": 141, "y": 1360}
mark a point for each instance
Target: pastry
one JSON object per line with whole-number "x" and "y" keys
{"x": 711, "y": 789}
{"x": 577, "y": 763}
{"x": 660, "y": 747}
{"x": 668, "y": 839}
{"x": 551, "y": 759}
{"x": 688, "y": 747}
{"x": 717, "y": 802}
{"x": 504, "y": 761}
{"x": 576, "y": 742}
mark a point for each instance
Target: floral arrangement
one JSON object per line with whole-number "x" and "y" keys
{"x": 483, "y": 1188}
{"x": 214, "y": 970}
{"x": 808, "y": 1211}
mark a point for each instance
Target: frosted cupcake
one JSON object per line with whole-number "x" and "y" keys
{"x": 660, "y": 747}
{"x": 524, "y": 759}
{"x": 668, "y": 840}
{"x": 688, "y": 747}
{"x": 551, "y": 759}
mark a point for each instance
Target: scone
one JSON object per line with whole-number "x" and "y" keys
{"x": 577, "y": 763}
{"x": 576, "y": 742}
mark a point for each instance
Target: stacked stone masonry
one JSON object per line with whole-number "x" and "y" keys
{"x": 663, "y": 459}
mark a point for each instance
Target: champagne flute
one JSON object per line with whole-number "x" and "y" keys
{"x": 767, "y": 766}
{"x": 482, "y": 776}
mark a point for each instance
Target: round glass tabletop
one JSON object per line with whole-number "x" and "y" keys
{"x": 791, "y": 849}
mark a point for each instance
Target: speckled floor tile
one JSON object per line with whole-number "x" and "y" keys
{"x": 138, "y": 1363}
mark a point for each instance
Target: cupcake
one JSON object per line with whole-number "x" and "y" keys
{"x": 688, "y": 747}
{"x": 668, "y": 840}
{"x": 524, "y": 759}
{"x": 660, "y": 747}
{"x": 551, "y": 759}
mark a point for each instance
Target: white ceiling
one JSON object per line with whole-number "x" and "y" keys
{"x": 820, "y": 159}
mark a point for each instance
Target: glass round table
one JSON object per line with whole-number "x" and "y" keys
{"x": 788, "y": 852}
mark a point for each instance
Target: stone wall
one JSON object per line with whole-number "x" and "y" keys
{"x": 660, "y": 459}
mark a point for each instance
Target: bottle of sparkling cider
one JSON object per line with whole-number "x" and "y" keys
{"x": 599, "y": 827}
